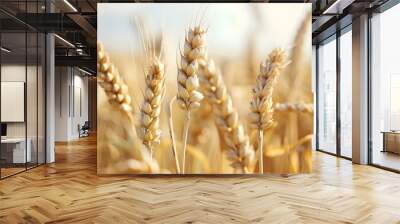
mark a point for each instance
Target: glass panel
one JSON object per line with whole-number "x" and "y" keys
{"x": 31, "y": 98}
{"x": 41, "y": 8}
{"x": 32, "y": 88}
{"x": 385, "y": 86}
{"x": 327, "y": 97}
{"x": 23, "y": 90}
{"x": 41, "y": 98}
{"x": 346, "y": 94}
{"x": 13, "y": 88}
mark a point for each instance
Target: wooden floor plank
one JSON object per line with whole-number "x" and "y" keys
{"x": 69, "y": 191}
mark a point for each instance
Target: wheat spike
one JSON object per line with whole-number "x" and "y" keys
{"x": 295, "y": 107}
{"x": 261, "y": 116}
{"x": 111, "y": 81}
{"x": 239, "y": 151}
{"x": 150, "y": 108}
{"x": 189, "y": 96}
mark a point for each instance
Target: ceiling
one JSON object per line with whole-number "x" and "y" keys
{"x": 75, "y": 22}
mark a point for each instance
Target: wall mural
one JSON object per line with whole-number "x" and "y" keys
{"x": 204, "y": 88}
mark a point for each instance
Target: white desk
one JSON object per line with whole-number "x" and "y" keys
{"x": 18, "y": 149}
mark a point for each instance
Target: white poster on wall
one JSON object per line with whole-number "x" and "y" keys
{"x": 12, "y": 101}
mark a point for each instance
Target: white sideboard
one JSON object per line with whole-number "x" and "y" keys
{"x": 18, "y": 149}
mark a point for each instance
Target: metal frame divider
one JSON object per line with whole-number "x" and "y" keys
{"x": 369, "y": 78}
{"x": 316, "y": 97}
{"x": 338, "y": 75}
{"x": 0, "y": 91}
{"x": 37, "y": 91}
{"x": 26, "y": 88}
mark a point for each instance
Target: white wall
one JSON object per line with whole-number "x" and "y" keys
{"x": 71, "y": 94}
{"x": 81, "y": 103}
{"x": 61, "y": 103}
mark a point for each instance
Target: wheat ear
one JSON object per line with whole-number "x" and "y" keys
{"x": 150, "y": 108}
{"x": 261, "y": 116}
{"x": 239, "y": 151}
{"x": 295, "y": 107}
{"x": 112, "y": 83}
{"x": 189, "y": 96}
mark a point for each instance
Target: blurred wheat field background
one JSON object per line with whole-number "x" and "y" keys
{"x": 238, "y": 38}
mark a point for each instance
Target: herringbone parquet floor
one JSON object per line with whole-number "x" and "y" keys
{"x": 69, "y": 191}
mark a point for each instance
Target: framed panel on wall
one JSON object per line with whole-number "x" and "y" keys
{"x": 204, "y": 89}
{"x": 12, "y": 98}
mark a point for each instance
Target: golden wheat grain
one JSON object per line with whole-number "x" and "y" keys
{"x": 112, "y": 83}
{"x": 150, "y": 109}
{"x": 261, "y": 116}
{"x": 239, "y": 151}
{"x": 189, "y": 96}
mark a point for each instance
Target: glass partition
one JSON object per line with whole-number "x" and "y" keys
{"x": 32, "y": 96}
{"x": 346, "y": 93}
{"x": 327, "y": 96}
{"x": 13, "y": 95}
{"x": 22, "y": 89}
{"x": 32, "y": 89}
{"x": 385, "y": 89}
{"x": 41, "y": 97}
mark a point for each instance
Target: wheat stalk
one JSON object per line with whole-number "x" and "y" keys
{"x": 261, "y": 116}
{"x": 239, "y": 151}
{"x": 295, "y": 107}
{"x": 112, "y": 83}
{"x": 189, "y": 96}
{"x": 172, "y": 135}
{"x": 150, "y": 109}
